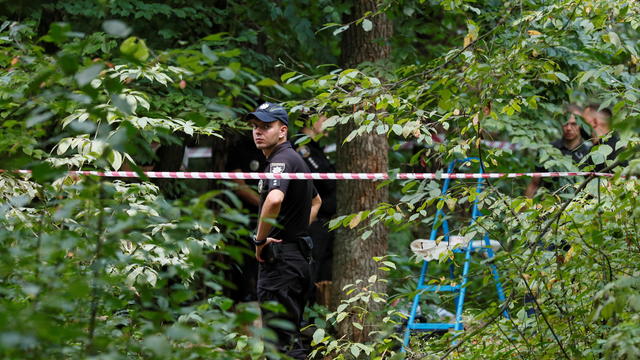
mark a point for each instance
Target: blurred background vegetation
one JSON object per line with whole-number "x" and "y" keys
{"x": 116, "y": 269}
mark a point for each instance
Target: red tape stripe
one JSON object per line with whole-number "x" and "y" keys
{"x": 320, "y": 176}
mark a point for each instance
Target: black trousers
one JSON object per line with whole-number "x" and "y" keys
{"x": 243, "y": 274}
{"x": 286, "y": 281}
{"x": 322, "y": 249}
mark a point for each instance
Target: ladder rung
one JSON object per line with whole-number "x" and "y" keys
{"x": 452, "y": 288}
{"x": 432, "y": 326}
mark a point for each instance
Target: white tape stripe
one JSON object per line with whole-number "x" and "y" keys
{"x": 323, "y": 176}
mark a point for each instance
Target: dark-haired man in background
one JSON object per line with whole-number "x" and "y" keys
{"x": 313, "y": 155}
{"x": 571, "y": 144}
{"x": 600, "y": 119}
{"x": 245, "y": 158}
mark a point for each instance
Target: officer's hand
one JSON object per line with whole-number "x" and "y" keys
{"x": 259, "y": 248}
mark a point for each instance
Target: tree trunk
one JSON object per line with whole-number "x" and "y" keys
{"x": 367, "y": 153}
{"x": 358, "y": 45}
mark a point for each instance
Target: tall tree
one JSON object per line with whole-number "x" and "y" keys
{"x": 367, "y": 153}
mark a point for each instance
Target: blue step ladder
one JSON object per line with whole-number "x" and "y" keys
{"x": 460, "y": 289}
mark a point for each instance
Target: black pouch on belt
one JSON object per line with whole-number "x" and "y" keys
{"x": 306, "y": 247}
{"x": 271, "y": 253}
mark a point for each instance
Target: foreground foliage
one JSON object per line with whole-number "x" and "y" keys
{"x": 112, "y": 269}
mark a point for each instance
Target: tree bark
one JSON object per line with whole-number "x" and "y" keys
{"x": 359, "y": 46}
{"x": 366, "y": 153}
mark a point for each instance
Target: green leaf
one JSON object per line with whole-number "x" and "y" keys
{"x": 286, "y": 76}
{"x": 282, "y": 90}
{"x": 318, "y": 336}
{"x": 115, "y": 159}
{"x": 45, "y": 172}
{"x": 366, "y": 348}
{"x": 562, "y": 77}
{"x": 216, "y": 37}
{"x": 357, "y": 325}
{"x": 254, "y": 88}
{"x": 352, "y": 100}
{"x": 206, "y": 51}
{"x": 599, "y": 153}
{"x": 230, "y": 53}
{"x": 341, "y": 316}
{"x": 614, "y": 39}
{"x": 227, "y": 74}
{"x": 157, "y": 344}
{"x": 38, "y": 116}
{"x": 122, "y": 104}
{"x": 116, "y": 28}
{"x": 335, "y": 222}
{"x": 58, "y": 33}
{"x": 267, "y": 82}
{"x": 367, "y": 25}
{"x": 634, "y": 302}
{"x": 135, "y": 48}
{"x": 355, "y": 350}
{"x": 389, "y": 264}
{"x": 586, "y": 76}
{"x": 85, "y": 76}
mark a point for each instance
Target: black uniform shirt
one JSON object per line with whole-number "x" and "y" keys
{"x": 613, "y": 142}
{"x": 318, "y": 163}
{"x": 577, "y": 154}
{"x": 293, "y": 220}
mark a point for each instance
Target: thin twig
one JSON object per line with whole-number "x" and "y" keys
{"x": 493, "y": 318}
{"x": 96, "y": 271}
{"x": 460, "y": 52}
{"x": 604, "y": 255}
{"x": 510, "y": 341}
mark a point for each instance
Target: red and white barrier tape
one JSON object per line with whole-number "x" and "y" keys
{"x": 321, "y": 176}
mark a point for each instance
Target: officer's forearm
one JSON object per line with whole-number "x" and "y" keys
{"x": 270, "y": 210}
{"x": 316, "y": 202}
{"x": 245, "y": 192}
{"x": 532, "y": 188}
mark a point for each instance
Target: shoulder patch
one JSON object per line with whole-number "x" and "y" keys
{"x": 277, "y": 168}
{"x": 304, "y": 151}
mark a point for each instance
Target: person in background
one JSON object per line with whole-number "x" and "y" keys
{"x": 600, "y": 122}
{"x": 571, "y": 144}
{"x": 245, "y": 158}
{"x": 314, "y": 156}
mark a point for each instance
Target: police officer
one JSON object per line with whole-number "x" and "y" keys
{"x": 284, "y": 251}
{"x": 314, "y": 156}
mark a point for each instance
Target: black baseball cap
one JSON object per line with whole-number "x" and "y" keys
{"x": 269, "y": 112}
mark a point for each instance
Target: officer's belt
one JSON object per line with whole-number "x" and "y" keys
{"x": 289, "y": 246}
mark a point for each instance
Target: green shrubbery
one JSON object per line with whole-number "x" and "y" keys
{"x": 93, "y": 267}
